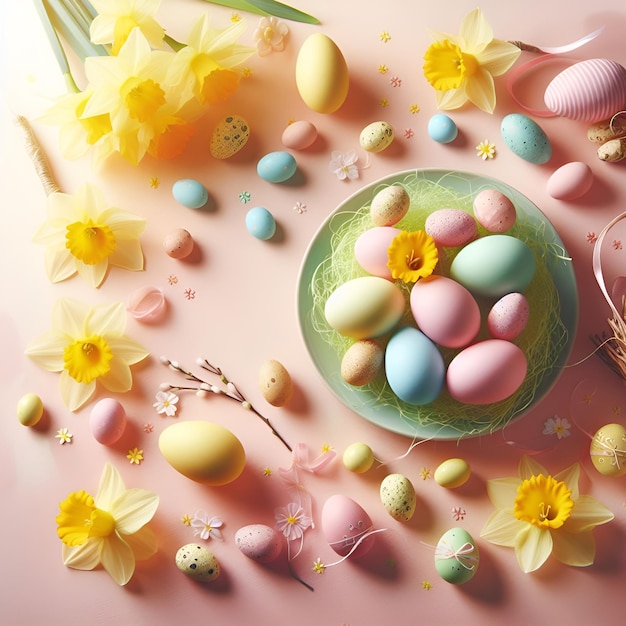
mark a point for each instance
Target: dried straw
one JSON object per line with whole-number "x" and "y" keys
{"x": 36, "y": 153}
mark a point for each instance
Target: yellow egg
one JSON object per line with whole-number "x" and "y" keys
{"x": 608, "y": 450}
{"x": 358, "y": 457}
{"x": 275, "y": 383}
{"x": 202, "y": 451}
{"x": 398, "y": 498}
{"x": 452, "y": 473}
{"x": 29, "y": 409}
{"x": 321, "y": 74}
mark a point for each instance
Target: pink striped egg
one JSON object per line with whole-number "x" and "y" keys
{"x": 588, "y": 91}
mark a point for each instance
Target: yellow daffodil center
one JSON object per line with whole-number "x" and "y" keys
{"x": 89, "y": 242}
{"x": 446, "y": 66}
{"x": 412, "y": 255}
{"x": 87, "y": 359}
{"x": 80, "y": 519}
{"x": 543, "y": 502}
{"x": 123, "y": 27}
{"x": 142, "y": 98}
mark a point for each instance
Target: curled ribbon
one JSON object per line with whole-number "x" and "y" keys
{"x": 464, "y": 555}
{"x": 367, "y": 533}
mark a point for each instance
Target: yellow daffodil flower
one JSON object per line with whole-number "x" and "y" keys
{"x": 462, "y": 67}
{"x": 412, "y": 255}
{"x": 87, "y": 344}
{"x": 539, "y": 514}
{"x": 84, "y": 235}
{"x": 109, "y": 529}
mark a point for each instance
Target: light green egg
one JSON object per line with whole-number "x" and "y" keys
{"x": 456, "y": 556}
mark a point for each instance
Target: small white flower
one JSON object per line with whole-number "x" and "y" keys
{"x": 166, "y": 403}
{"x": 205, "y": 526}
{"x": 344, "y": 165}
{"x": 558, "y": 426}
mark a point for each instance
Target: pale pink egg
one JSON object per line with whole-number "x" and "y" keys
{"x": 107, "y": 421}
{"x": 299, "y": 135}
{"x": 451, "y": 228}
{"x": 570, "y": 181}
{"x": 370, "y": 250}
{"x": 494, "y": 211}
{"x": 178, "y": 244}
{"x": 344, "y": 524}
{"x": 259, "y": 542}
{"x": 508, "y": 316}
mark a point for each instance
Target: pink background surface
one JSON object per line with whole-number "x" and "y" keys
{"x": 244, "y": 313}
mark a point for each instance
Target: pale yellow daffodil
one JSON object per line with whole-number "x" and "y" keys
{"x": 87, "y": 345}
{"x": 84, "y": 235}
{"x": 109, "y": 529}
{"x": 539, "y": 515}
{"x": 462, "y": 67}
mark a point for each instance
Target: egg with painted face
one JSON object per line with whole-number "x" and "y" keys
{"x": 456, "y": 556}
{"x": 346, "y": 525}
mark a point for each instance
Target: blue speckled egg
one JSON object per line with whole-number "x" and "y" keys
{"x": 525, "y": 138}
{"x": 260, "y": 223}
{"x": 276, "y": 167}
{"x": 190, "y": 193}
{"x": 442, "y": 129}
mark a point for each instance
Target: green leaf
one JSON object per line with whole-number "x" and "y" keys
{"x": 268, "y": 7}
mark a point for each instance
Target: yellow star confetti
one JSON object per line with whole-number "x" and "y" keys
{"x": 385, "y": 36}
{"x": 426, "y": 585}
{"x": 186, "y": 519}
{"x": 318, "y": 566}
{"x": 425, "y": 473}
{"x": 235, "y": 17}
{"x": 384, "y": 102}
{"x": 413, "y": 109}
{"x": 155, "y": 182}
{"x": 383, "y": 69}
{"x": 64, "y": 436}
{"x": 485, "y": 150}
{"x": 267, "y": 471}
{"x": 135, "y": 456}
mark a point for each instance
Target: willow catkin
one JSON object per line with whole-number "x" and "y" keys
{"x": 36, "y": 153}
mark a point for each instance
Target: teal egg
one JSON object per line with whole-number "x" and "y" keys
{"x": 276, "y": 167}
{"x": 190, "y": 193}
{"x": 494, "y": 265}
{"x": 260, "y": 223}
{"x": 456, "y": 556}
{"x": 525, "y": 138}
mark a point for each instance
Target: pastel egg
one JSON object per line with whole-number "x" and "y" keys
{"x": 178, "y": 244}
{"x": 451, "y": 228}
{"x": 570, "y": 181}
{"x": 275, "y": 383}
{"x": 441, "y": 128}
{"x": 146, "y": 304}
{"x": 358, "y": 457}
{"x": 371, "y": 250}
{"x": 508, "y": 317}
{"x": 299, "y": 135}
{"x": 107, "y": 421}
{"x": 389, "y": 205}
{"x": 613, "y": 150}
{"x": 277, "y": 167}
{"x": 322, "y": 77}
{"x": 456, "y": 556}
{"x": 197, "y": 562}
{"x": 494, "y": 265}
{"x": 260, "y": 223}
{"x": 452, "y": 473}
{"x": 29, "y": 409}
{"x": 362, "y": 362}
{"x": 376, "y": 137}
{"x": 414, "y": 366}
{"x": 365, "y": 307}
{"x": 486, "y": 372}
{"x": 525, "y": 138}
{"x": 259, "y": 542}
{"x": 397, "y": 495}
{"x": 203, "y": 451}
{"x": 345, "y": 524}
{"x": 190, "y": 193}
{"x": 608, "y": 450}
{"x": 445, "y": 311}
{"x": 229, "y": 136}
{"x": 494, "y": 211}
{"x": 601, "y": 132}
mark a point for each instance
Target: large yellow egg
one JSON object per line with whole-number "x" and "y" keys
{"x": 204, "y": 452}
{"x": 608, "y": 450}
{"x": 321, "y": 74}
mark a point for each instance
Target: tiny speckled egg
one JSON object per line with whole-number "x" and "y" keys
{"x": 508, "y": 317}
{"x": 190, "y": 193}
{"x": 229, "y": 136}
{"x": 371, "y": 250}
{"x": 259, "y": 542}
{"x": 452, "y": 473}
{"x": 197, "y": 562}
{"x": 494, "y": 211}
{"x": 299, "y": 135}
{"x": 260, "y": 223}
{"x": 451, "y": 228}
{"x": 570, "y": 181}
{"x": 362, "y": 362}
{"x": 29, "y": 409}
{"x": 397, "y": 495}
{"x": 376, "y": 137}
{"x": 277, "y": 167}
{"x": 178, "y": 244}
{"x": 456, "y": 556}
{"x": 525, "y": 138}
{"x": 358, "y": 457}
{"x": 441, "y": 128}
{"x": 389, "y": 205}
{"x": 108, "y": 421}
{"x": 608, "y": 450}
{"x": 344, "y": 523}
{"x": 275, "y": 383}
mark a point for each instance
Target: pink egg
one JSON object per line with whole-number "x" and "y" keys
{"x": 371, "y": 248}
{"x": 494, "y": 211}
{"x": 451, "y": 228}
{"x": 445, "y": 311}
{"x": 486, "y": 372}
{"x": 299, "y": 135}
{"x": 344, "y": 523}
{"x": 259, "y": 542}
{"x": 107, "y": 421}
{"x": 508, "y": 316}
{"x": 570, "y": 181}
{"x": 178, "y": 244}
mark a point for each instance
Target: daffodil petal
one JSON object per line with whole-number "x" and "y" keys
{"x": 69, "y": 314}
{"x": 498, "y": 57}
{"x": 570, "y": 477}
{"x": 107, "y": 319}
{"x": 59, "y": 264}
{"x": 586, "y": 514}
{"x": 75, "y": 394}
{"x": 503, "y": 491}
{"x": 128, "y": 255}
{"x": 83, "y": 557}
{"x": 578, "y": 550}
{"x": 123, "y": 224}
{"x": 47, "y": 351}
{"x": 529, "y": 467}
{"x": 475, "y": 31}
{"x": 451, "y": 99}
{"x": 111, "y": 487}
{"x": 481, "y": 90}
{"x": 93, "y": 275}
{"x": 532, "y": 547}
{"x": 119, "y": 378}
{"x": 127, "y": 350}
{"x": 134, "y": 509}
{"x": 118, "y": 559}
{"x": 143, "y": 543}
{"x": 502, "y": 529}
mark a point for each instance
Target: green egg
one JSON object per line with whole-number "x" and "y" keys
{"x": 456, "y": 556}
{"x": 29, "y": 409}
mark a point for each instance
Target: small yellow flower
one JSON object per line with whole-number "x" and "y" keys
{"x": 485, "y": 150}
{"x": 425, "y": 473}
{"x": 64, "y": 436}
{"x": 235, "y": 17}
{"x": 383, "y": 69}
{"x": 413, "y": 109}
{"x": 426, "y": 585}
{"x": 385, "y": 37}
{"x": 326, "y": 448}
{"x": 155, "y": 182}
{"x": 267, "y": 471}
{"x": 135, "y": 456}
{"x": 384, "y": 102}
{"x": 412, "y": 255}
{"x": 186, "y": 519}
{"x": 318, "y": 566}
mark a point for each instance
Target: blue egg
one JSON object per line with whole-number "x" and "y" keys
{"x": 190, "y": 193}
{"x": 525, "y": 138}
{"x": 414, "y": 366}
{"x": 260, "y": 223}
{"x": 276, "y": 167}
{"x": 442, "y": 129}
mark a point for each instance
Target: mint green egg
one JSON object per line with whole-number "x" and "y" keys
{"x": 456, "y": 556}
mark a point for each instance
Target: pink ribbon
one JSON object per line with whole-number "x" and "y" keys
{"x": 463, "y": 555}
